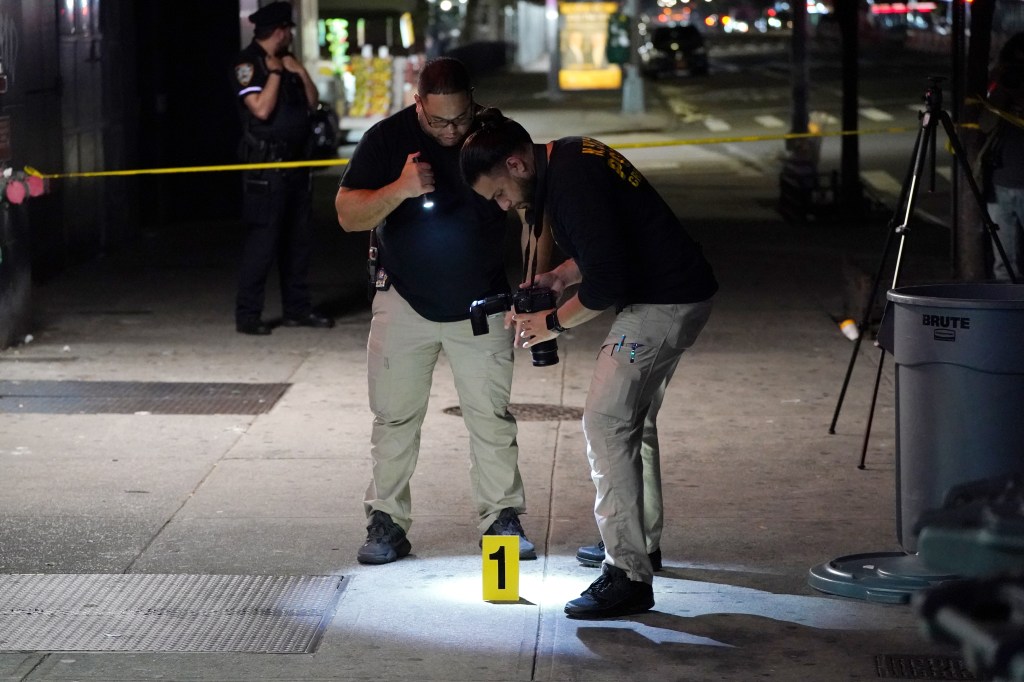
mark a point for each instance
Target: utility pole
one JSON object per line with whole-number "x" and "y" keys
{"x": 969, "y": 245}
{"x": 554, "y": 92}
{"x": 799, "y": 119}
{"x": 852, "y": 196}
{"x": 632, "y": 82}
{"x": 800, "y": 169}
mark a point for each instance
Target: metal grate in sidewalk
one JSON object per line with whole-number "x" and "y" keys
{"x": 159, "y": 612}
{"x": 904, "y": 667}
{"x": 131, "y": 397}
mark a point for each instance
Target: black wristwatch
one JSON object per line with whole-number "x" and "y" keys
{"x": 552, "y": 322}
{"x": 279, "y": 72}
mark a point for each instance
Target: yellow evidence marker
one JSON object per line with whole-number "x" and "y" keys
{"x": 501, "y": 567}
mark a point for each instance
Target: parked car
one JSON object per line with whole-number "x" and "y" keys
{"x": 672, "y": 50}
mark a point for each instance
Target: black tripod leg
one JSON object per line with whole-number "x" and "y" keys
{"x": 871, "y": 412}
{"x": 986, "y": 219}
{"x": 927, "y": 138}
{"x": 862, "y": 329}
{"x": 909, "y": 182}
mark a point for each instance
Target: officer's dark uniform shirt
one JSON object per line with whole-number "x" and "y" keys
{"x": 288, "y": 123}
{"x": 439, "y": 259}
{"x": 1007, "y": 168}
{"x": 626, "y": 241}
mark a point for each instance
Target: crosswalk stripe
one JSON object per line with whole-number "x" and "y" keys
{"x": 823, "y": 118}
{"x": 875, "y": 114}
{"x": 687, "y": 112}
{"x": 716, "y": 125}
{"x": 770, "y": 121}
{"x": 882, "y": 181}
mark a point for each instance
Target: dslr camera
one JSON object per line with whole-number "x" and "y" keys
{"x": 530, "y": 300}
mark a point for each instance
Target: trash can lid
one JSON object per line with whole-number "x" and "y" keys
{"x": 961, "y": 295}
{"x": 884, "y": 577}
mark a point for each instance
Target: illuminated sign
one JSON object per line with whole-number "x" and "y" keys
{"x": 584, "y": 47}
{"x": 902, "y": 8}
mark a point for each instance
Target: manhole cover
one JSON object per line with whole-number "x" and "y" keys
{"x": 534, "y": 412}
{"x": 160, "y": 612}
{"x": 130, "y": 397}
{"x": 903, "y": 667}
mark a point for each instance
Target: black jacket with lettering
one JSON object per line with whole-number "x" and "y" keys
{"x": 625, "y": 239}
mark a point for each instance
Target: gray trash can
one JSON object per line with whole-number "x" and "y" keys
{"x": 959, "y": 352}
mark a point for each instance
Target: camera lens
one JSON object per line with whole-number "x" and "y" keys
{"x": 545, "y": 354}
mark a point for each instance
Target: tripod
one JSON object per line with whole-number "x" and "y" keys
{"x": 923, "y": 146}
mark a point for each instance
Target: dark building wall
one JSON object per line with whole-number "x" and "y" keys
{"x": 131, "y": 86}
{"x": 30, "y": 125}
{"x": 71, "y": 105}
{"x": 99, "y": 85}
{"x": 188, "y": 116}
{"x": 97, "y": 101}
{"x": 33, "y": 105}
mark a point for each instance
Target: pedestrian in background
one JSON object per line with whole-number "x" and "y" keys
{"x": 275, "y": 97}
{"x": 626, "y": 251}
{"x": 1003, "y": 155}
{"x": 439, "y": 247}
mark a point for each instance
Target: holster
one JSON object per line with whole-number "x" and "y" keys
{"x": 252, "y": 149}
{"x": 371, "y": 266}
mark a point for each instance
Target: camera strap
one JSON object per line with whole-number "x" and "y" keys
{"x": 535, "y": 214}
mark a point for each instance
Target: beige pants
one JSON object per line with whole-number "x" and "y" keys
{"x": 401, "y": 353}
{"x": 620, "y": 425}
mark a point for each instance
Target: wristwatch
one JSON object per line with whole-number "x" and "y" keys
{"x": 552, "y": 322}
{"x": 279, "y": 72}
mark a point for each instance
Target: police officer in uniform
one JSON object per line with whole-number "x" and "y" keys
{"x": 275, "y": 97}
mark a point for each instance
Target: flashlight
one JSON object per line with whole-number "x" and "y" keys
{"x": 428, "y": 201}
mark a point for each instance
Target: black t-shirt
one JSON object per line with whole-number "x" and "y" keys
{"x": 289, "y": 121}
{"x": 626, "y": 241}
{"x": 439, "y": 259}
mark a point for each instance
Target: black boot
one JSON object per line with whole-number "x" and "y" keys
{"x": 593, "y": 556}
{"x": 612, "y": 594}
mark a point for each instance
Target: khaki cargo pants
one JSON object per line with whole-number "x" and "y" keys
{"x": 633, "y": 369}
{"x": 401, "y": 353}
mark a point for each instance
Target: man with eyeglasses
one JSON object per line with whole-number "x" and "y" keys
{"x": 438, "y": 247}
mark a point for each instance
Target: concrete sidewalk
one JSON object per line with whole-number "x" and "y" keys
{"x": 757, "y": 491}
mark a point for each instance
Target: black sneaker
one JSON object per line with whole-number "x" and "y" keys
{"x": 309, "y": 320}
{"x": 612, "y": 594}
{"x": 252, "y": 326}
{"x": 385, "y": 541}
{"x": 507, "y": 523}
{"x": 593, "y": 556}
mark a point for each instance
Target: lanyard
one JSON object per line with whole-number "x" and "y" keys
{"x": 535, "y": 214}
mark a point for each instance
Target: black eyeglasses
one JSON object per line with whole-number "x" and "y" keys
{"x": 465, "y": 118}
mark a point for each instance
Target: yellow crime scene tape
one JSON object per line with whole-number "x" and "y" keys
{"x": 186, "y": 169}
{"x": 321, "y": 163}
{"x": 1005, "y": 115}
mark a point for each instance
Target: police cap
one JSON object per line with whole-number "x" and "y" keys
{"x": 274, "y": 14}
